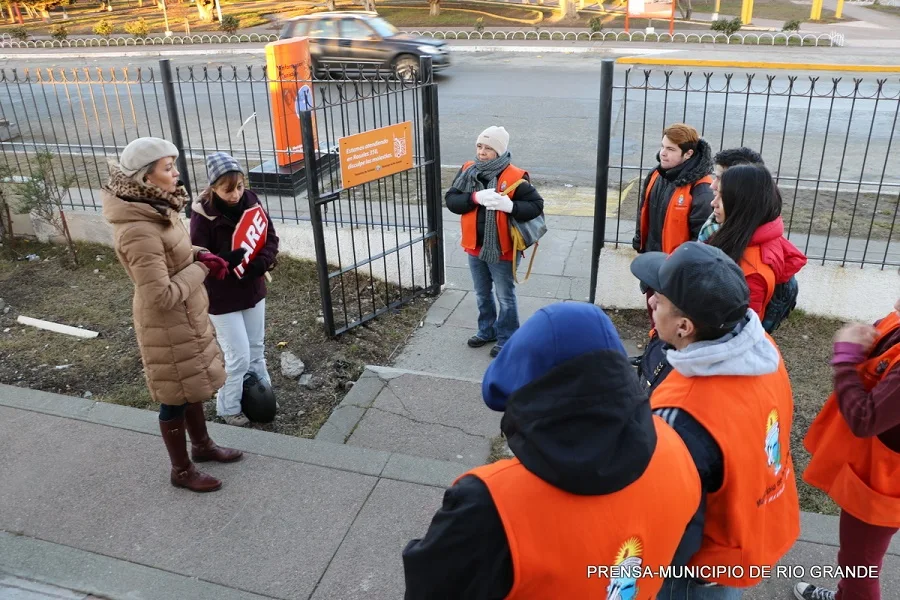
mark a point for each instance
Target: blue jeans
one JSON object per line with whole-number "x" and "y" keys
{"x": 487, "y": 279}
{"x": 692, "y": 589}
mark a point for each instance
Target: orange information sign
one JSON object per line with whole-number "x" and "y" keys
{"x": 374, "y": 154}
{"x": 290, "y": 91}
{"x": 651, "y": 9}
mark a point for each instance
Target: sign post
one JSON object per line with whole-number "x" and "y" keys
{"x": 290, "y": 91}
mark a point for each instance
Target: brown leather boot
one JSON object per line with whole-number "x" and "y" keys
{"x": 202, "y": 447}
{"x": 184, "y": 473}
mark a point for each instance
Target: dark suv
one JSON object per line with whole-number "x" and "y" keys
{"x": 352, "y": 40}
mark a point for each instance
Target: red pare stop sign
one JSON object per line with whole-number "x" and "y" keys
{"x": 250, "y": 234}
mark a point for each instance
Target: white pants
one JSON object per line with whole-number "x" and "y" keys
{"x": 241, "y": 336}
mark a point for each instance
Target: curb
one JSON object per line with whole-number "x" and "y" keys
{"x": 364, "y": 461}
{"x": 593, "y": 49}
{"x": 108, "y": 577}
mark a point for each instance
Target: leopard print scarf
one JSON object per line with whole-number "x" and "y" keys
{"x": 126, "y": 188}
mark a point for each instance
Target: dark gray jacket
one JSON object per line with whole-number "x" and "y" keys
{"x": 695, "y": 168}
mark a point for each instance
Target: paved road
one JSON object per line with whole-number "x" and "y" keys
{"x": 549, "y": 103}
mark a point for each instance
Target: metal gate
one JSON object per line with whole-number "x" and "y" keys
{"x": 377, "y": 245}
{"x": 827, "y": 141}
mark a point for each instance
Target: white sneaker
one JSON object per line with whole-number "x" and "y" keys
{"x": 238, "y": 420}
{"x": 808, "y": 591}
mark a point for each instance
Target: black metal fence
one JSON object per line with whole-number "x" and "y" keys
{"x": 829, "y": 142}
{"x": 376, "y": 244}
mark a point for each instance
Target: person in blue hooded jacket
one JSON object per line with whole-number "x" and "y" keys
{"x": 596, "y": 478}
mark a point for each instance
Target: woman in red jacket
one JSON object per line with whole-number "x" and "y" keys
{"x": 748, "y": 208}
{"x": 855, "y": 448}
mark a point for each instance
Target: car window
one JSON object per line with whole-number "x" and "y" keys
{"x": 354, "y": 29}
{"x": 326, "y": 28}
{"x": 382, "y": 27}
{"x": 300, "y": 28}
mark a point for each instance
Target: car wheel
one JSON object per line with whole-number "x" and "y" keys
{"x": 406, "y": 67}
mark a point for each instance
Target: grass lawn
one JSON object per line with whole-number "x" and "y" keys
{"x": 458, "y": 17}
{"x": 779, "y": 10}
{"x": 83, "y": 16}
{"x": 805, "y": 344}
{"x": 98, "y": 295}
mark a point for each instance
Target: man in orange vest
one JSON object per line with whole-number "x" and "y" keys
{"x": 855, "y": 447}
{"x": 729, "y": 398}
{"x": 480, "y": 194}
{"x": 598, "y": 496}
{"x": 676, "y": 198}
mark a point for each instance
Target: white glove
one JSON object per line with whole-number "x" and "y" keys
{"x": 483, "y": 197}
{"x": 502, "y": 203}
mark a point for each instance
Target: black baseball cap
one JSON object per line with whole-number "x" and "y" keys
{"x": 700, "y": 280}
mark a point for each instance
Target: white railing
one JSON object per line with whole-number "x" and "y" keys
{"x": 174, "y": 40}
{"x": 755, "y": 39}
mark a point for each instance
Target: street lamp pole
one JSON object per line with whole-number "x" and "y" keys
{"x": 166, "y": 17}
{"x": 219, "y": 10}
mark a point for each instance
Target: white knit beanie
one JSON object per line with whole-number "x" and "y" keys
{"x": 495, "y": 137}
{"x": 143, "y": 152}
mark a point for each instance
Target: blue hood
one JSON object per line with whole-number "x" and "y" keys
{"x": 560, "y": 332}
{"x": 574, "y": 412}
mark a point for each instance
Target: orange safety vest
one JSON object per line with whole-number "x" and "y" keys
{"x": 677, "y": 226}
{"x": 469, "y": 221}
{"x": 860, "y": 474}
{"x": 754, "y": 518}
{"x": 752, "y": 264}
{"x": 555, "y": 537}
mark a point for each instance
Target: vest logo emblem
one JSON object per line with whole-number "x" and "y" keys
{"x": 680, "y": 199}
{"x": 502, "y": 186}
{"x": 626, "y": 570}
{"x": 773, "y": 444}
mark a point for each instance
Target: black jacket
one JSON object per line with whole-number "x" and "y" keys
{"x": 698, "y": 166}
{"x": 603, "y": 444}
{"x": 527, "y": 204}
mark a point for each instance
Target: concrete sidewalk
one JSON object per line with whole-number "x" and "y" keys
{"x": 87, "y": 508}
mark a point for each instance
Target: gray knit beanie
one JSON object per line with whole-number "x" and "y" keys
{"x": 141, "y": 153}
{"x": 220, "y": 163}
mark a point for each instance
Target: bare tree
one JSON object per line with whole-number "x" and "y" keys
{"x": 43, "y": 194}
{"x": 6, "y": 226}
{"x": 568, "y": 9}
{"x": 42, "y": 8}
{"x": 685, "y": 8}
{"x": 435, "y": 8}
{"x": 205, "y": 9}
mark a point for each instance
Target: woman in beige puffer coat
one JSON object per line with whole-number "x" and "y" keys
{"x": 182, "y": 360}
